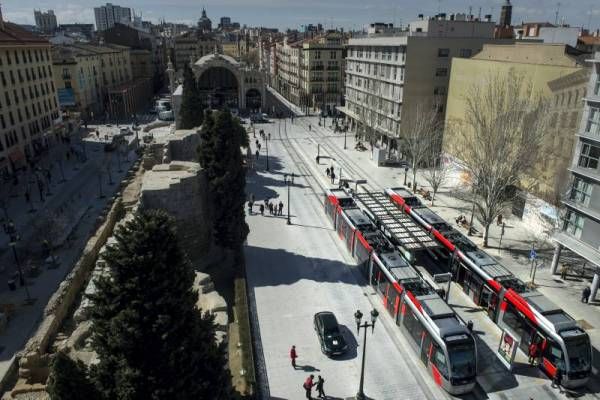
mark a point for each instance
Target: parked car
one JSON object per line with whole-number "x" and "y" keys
{"x": 329, "y": 334}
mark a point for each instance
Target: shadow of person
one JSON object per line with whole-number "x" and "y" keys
{"x": 307, "y": 368}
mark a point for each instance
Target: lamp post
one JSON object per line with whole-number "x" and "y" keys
{"x": 267, "y": 147}
{"x": 289, "y": 183}
{"x": 358, "y": 317}
{"x": 11, "y": 231}
{"x": 470, "y": 232}
{"x": 405, "y": 174}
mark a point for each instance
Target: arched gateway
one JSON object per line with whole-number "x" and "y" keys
{"x": 224, "y": 82}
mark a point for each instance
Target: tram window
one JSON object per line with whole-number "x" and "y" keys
{"x": 361, "y": 253}
{"x": 392, "y": 295}
{"x": 554, "y": 354}
{"x": 515, "y": 321}
{"x": 438, "y": 358}
{"x": 414, "y": 327}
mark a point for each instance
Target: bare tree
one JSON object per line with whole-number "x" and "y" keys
{"x": 499, "y": 139}
{"x": 438, "y": 171}
{"x": 49, "y": 228}
{"x": 419, "y": 131}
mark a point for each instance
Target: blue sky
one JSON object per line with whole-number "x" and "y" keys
{"x": 293, "y": 13}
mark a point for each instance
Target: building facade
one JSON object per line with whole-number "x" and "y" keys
{"x": 387, "y": 76}
{"x": 29, "y": 115}
{"x": 191, "y": 46}
{"x": 45, "y": 21}
{"x": 309, "y": 73}
{"x": 581, "y": 227}
{"x": 108, "y": 15}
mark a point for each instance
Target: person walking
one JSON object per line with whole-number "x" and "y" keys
{"x": 259, "y": 146}
{"x": 332, "y": 177}
{"x": 328, "y": 171}
{"x": 563, "y": 272}
{"x": 262, "y": 210}
{"x": 293, "y": 356}
{"x": 309, "y": 127}
{"x": 585, "y": 295}
{"x": 271, "y": 208}
{"x": 320, "y": 390}
{"x": 257, "y": 154}
{"x": 308, "y": 385}
{"x": 249, "y": 207}
{"x": 280, "y": 208}
{"x": 533, "y": 351}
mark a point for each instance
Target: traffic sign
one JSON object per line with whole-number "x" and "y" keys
{"x": 532, "y": 254}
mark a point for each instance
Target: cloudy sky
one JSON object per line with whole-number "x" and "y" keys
{"x": 293, "y": 13}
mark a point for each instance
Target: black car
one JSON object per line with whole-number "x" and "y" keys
{"x": 329, "y": 334}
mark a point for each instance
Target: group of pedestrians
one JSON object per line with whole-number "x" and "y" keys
{"x": 274, "y": 209}
{"x": 309, "y": 383}
{"x": 331, "y": 174}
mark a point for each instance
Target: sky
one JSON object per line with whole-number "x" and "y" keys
{"x": 349, "y": 14}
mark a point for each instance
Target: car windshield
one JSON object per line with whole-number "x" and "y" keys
{"x": 462, "y": 359}
{"x": 330, "y": 325}
{"x": 579, "y": 352}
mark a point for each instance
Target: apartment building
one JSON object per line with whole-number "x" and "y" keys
{"x": 29, "y": 115}
{"x": 192, "y": 45}
{"x": 581, "y": 226}
{"x": 108, "y": 15}
{"x": 45, "y": 21}
{"x": 310, "y": 72}
{"x": 100, "y": 80}
{"x": 389, "y": 74}
{"x": 540, "y": 65}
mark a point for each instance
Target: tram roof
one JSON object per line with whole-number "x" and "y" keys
{"x": 400, "y": 226}
{"x": 540, "y": 302}
{"x": 429, "y": 216}
{"x": 435, "y": 307}
{"x": 409, "y": 197}
{"x": 357, "y": 217}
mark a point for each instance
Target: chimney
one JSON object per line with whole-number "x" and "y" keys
{"x": 488, "y": 18}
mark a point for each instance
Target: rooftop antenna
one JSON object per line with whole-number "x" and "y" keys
{"x": 556, "y": 14}
{"x": 470, "y": 12}
{"x": 479, "y": 16}
{"x": 590, "y": 20}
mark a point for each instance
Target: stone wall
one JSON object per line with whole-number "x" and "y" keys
{"x": 33, "y": 360}
{"x": 180, "y": 188}
{"x": 180, "y": 145}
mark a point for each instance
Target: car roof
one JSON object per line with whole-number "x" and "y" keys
{"x": 328, "y": 318}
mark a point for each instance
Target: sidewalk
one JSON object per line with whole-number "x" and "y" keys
{"x": 516, "y": 242}
{"x": 297, "y": 111}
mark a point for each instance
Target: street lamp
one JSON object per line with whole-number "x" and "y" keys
{"x": 267, "y": 146}
{"x": 289, "y": 183}
{"x": 358, "y": 317}
{"x": 11, "y": 231}
{"x": 405, "y": 174}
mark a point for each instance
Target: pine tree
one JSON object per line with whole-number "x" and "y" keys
{"x": 221, "y": 157}
{"x": 190, "y": 114}
{"x": 151, "y": 341}
{"x": 68, "y": 380}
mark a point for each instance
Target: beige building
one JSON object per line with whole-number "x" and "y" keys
{"x": 29, "y": 114}
{"x": 389, "y": 74}
{"x": 84, "y": 73}
{"x": 309, "y": 73}
{"x": 191, "y": 46}
{"x": 541, "y": 65}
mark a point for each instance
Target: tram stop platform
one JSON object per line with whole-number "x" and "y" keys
{"x": 523, "y": 382}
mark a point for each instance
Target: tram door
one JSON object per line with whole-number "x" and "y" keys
{"x": 425, "y": 348}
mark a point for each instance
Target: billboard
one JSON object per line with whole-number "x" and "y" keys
{"x": 66, "y": 97}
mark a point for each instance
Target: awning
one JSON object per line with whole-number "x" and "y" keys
{"x": 16, "y": 155}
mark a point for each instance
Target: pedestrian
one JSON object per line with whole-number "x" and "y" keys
{"x": 257, "y": 154}
{"x": 328, "y": 171}
{"x": 284, "y": 178}
{"x": 320, "y": 389}
{"x": 317, "y": 158}
{"x": 308, "y": 385}
{"x": 499, "y": 220}
{"x": 262, "y": 209}
{"x": 267, "y": 202}
{"x": 332, "y": 177}
{"x": 293, "y": 356}
{"x": 269, "y": 135}
{"x": 271, "y": 208}
{"x": 585, "y": 295}
{"x": 280, "y": 208}
{"x": 563, "y": 272}
{"x": 259, "y": 146}
{"x": 250, "y": 207}
{"x": 309, "y": 127}
{"x": 557, "y": 381}
{"x": 533, "y": 350}
{"x": 257, "y": 142}
{"x": 470, "y": 325}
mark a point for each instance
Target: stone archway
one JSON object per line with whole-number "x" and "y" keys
{"x": 219, "y": 88}
{"x": 253, "y": 100}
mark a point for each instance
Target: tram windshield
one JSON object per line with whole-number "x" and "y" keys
{"x": 579, "y": 352}
{"x": 462, "y": 357}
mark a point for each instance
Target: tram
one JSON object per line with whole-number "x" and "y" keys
{"x": 443, "y": 343}
{"x": 508, "y": 301}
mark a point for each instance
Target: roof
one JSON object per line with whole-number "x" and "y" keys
{"x": 66, "y": 52}
{"x": 589, "y": 40}
{"x": 214, "y": 56}
{"x": 12, "y": 34}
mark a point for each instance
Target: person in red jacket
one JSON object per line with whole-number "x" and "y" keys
{"x": 293, "y": 356}
{"x": 533, "y": 353}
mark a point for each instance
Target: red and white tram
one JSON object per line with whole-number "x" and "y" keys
{"x": 526, "y": 313}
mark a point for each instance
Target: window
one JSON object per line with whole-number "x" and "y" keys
{"x": 593, "y": 122}
{"x": 554, "y": 354}
{"x": 413, "y": 326}
{"x": 588, "y": 158}
{"x": 443, "y": 52}
{"x": 581, "y": 191}
{"x": 515, "y": 321}
{"x": 441, "y": 72}
{"x": 438, "y": 358}
{"x": 574, "y": 224}
{"x": 466, "y": 53}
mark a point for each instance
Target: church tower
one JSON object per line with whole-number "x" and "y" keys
{"x": 506, "y": 14}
